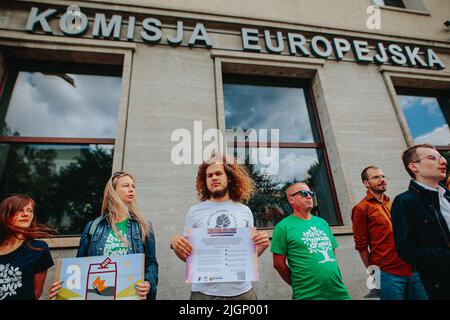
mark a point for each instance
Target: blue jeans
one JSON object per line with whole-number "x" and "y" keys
{"x": 401, "y": 287}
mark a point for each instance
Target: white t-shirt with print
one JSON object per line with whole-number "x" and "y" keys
{"x": 227, "y": 214}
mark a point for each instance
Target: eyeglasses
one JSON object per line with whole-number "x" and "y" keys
{"x": 377, "y": 177}
{"x": 304, "y": 193}
{"x": 433, "y": 157}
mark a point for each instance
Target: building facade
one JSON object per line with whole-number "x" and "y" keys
{"x": 93, "y": 87}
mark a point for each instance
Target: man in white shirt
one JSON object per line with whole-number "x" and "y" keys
{"x": 222, "y": 186}
{"x": 421, "y": 220}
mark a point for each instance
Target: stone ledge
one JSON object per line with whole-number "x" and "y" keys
{"x": 63, "y": 242}
{"x": 73, "y": 242}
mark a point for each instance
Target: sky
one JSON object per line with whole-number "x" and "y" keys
{"x": 293, "y": 164}
{"x": 426, "y": 120}
{"x": 255, "y": 107}
{"x": 48, "y": 106}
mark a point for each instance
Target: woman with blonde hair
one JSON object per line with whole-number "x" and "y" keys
{"x": 121, "y": 229}
{"x": 24, "y": 261}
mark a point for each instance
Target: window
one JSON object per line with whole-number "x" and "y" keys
{"x": 427, "y": 114}
{"x": 253, "y": 103}
{"x": 416, "y": 5}
{"x": 393, "y": 3}
{"x": 57, "y": 135}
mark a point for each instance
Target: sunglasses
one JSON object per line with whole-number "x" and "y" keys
{"x": 304, "y": 193}
{"x": 118, "y": 174}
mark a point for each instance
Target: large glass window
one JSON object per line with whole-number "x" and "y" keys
{"x": 393, "y": 3}
{"x": 406, "y": 4}
{"x": 254, "y": 103}
{"x": 57, "y": 134}
{"x": 427, "y": 114}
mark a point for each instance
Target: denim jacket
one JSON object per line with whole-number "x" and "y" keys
{"x": 96, "y": 245}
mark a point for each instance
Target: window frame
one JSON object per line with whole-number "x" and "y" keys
{"x": 418, "y": 8}
{"x": 9, "y": 81}
{"x": 291, "y": 82}
{"x": 441, "y": 96}
{"x": 397, "y": 4}
{"x": 7, "y": 84}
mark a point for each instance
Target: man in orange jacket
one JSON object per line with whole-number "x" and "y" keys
{"x": 374, "y": 240}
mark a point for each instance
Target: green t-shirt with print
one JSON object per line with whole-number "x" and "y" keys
{"x": 113, "y": 245}
{"x": 308, "y": 246}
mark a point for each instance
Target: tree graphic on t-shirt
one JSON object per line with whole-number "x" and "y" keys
{"x": 318, "y": 241}
{"x": 10, "y": 280}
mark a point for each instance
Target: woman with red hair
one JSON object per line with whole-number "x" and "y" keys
{"x": 24, "y": 261}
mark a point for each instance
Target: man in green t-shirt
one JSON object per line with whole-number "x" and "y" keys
{"x": 308, "y": 245}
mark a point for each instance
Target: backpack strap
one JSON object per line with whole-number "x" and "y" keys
{"x": 93, "y": 227}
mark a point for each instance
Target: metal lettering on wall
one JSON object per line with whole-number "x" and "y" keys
{"x": 253, "y": 40}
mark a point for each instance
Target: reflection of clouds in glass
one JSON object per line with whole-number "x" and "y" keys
{"x": 429, "y": 103}
{"x": 294, "y": 166}
{"x": 45, "y": 105}
{"x": 439, "y": 136}
{"x": 256, "y": 107}
{"x": 424, "y": 116}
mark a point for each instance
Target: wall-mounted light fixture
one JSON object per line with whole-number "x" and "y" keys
{"x": 447, "y": 24}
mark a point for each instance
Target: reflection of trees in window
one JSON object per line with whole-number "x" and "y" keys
{"x": 269, "y": 203}
{"x": 51, "y": 116}
{"x": 67, "y": 197}
{"x": 265, "y": 203}
{"x": 5, "y": 130}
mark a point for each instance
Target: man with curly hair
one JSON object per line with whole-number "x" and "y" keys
{"x": 222, "y": 186}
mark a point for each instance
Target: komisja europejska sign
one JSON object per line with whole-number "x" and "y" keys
{"x": 275, "y": 42}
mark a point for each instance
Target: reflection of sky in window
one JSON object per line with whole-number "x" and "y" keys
{"x": 425, "y": 120}
{"x": 48, "y": 106}
{"x": 263, "y": 107}
{"x": 293, "y": 164}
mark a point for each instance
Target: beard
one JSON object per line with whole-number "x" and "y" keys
{"x": 379, "y": 189}
{"x": 219, "y": 193}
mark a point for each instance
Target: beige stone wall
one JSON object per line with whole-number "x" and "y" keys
{"x": 364, "y": 124}
{"x": 170, "y": 89}
{"x": 343, "y": 14}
